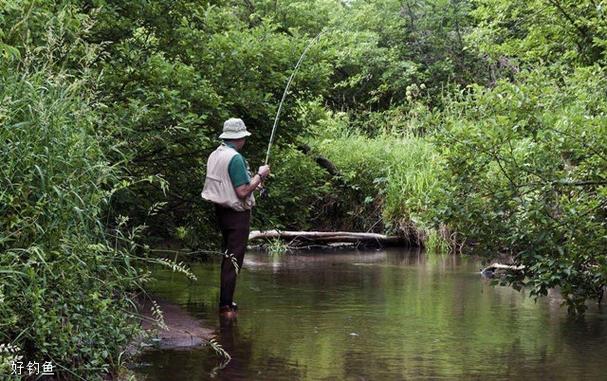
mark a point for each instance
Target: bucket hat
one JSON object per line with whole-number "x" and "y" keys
{"x": 234, "y": 128}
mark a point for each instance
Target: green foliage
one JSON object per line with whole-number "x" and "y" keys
{"x": 277, "y": 246}
{"x": 527, "y": 170}
{"x": 64, "y": 286}
{"x": 296, "y": 191}
{"x": 437, "y": 242}
{"x": 519, "y": 33}
{"x": 392, "y": 176}
{"x": 385, "y": 48}
{"x": 68, "y": 272}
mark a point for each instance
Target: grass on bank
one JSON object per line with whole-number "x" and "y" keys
{"x": 397, "y": 175}
{"x": 68, "y": 272}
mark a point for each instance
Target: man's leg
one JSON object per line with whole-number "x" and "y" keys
{"x": 235, "y": 230}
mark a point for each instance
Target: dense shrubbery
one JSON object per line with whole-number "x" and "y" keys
{"x": 296, "y": 193}
{"x": 527, "y": 169}
{"x": 64, "y": 285}
{"x": 527, "y": 157}
{"x": 67, "y": 266}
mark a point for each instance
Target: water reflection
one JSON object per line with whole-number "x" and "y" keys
{"x": 377, "y": 315}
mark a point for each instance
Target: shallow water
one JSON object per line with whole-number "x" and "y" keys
{"x": 377, "y": 315}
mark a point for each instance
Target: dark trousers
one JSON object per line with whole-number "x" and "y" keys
{"x": 234, "y": 228}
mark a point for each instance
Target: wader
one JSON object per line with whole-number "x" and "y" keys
{"x": 234, "y": 226}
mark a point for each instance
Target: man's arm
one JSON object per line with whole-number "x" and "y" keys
{"x": 245, "y": 190}
{"x": 243, "y": 184}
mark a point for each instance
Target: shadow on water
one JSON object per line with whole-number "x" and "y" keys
{"x": 369, "y": 315}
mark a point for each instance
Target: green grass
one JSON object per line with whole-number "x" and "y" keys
{"x": 396, "y": 172}
{"x": 277, "y": 246}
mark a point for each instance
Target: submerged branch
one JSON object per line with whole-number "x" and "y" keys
{"x": 489, "y": 271}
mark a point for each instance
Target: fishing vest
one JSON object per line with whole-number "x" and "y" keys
{"x": 218, "y": 186}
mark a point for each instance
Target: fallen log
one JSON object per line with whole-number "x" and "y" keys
{"x": 326, "y": 237}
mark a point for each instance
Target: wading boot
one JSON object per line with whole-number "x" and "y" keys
{"x": 228, "y": 311}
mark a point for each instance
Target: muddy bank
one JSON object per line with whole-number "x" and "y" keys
{"x": 180, "y": 330}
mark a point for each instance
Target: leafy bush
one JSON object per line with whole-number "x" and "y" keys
{"x": 66, "y": 283}
{"x": 526, "y": 167}
{"x": 295, "y": 192}
{"x": 512, "y": 34}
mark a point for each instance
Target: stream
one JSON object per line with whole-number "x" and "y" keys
{"x": 390, "y": 314}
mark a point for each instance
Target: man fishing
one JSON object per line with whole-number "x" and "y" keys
{"x": 229, "y": 185}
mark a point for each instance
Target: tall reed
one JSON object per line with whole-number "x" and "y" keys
{"x": 397, "y": 172}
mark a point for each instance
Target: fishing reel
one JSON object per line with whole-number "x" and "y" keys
{"x": 264, "y": 193}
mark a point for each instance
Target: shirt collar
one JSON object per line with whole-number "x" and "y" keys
{"x": 229, "y": 145}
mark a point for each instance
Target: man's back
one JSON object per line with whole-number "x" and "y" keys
{"x": 218, "y": 186}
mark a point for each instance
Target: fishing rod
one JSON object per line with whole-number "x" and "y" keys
{"x": 264, "y": 190}
{"x": 284, "y": 94}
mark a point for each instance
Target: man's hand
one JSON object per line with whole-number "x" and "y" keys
{"x": 264, "y": 171}
{"x": 244, "y": 191}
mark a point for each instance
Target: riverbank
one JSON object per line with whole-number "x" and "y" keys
{"x": 168, "y": 326}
